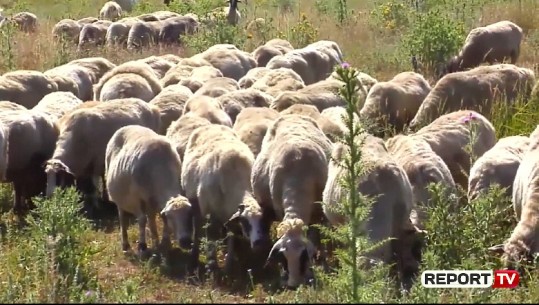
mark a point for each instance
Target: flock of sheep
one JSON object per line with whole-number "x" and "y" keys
{"x": 246, "y": 138}
{"x": 112, "y": 29}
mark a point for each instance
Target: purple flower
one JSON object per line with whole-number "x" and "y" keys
{"x": 470, "y": 117}
{"x": 345, "y": 65}
{"x": 89, "y": 293}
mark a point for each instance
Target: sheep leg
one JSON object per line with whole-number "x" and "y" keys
{"x": 18, "y": 204}
{"x": 195, "y": 251}
{"x": 124, "y": 222}
{"x": 153, "y": 231}
{"x": 165, "y": 240}
{"x": 142, "y": 246}
{"x": 213, "y": 234}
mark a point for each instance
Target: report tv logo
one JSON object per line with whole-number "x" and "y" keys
{"x": 470, "y": 278}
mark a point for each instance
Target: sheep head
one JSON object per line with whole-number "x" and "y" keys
{"x": 178, "y": 216}
{"x": 53, "y": 169}
{"x": 250, "y": 221}
{"x": 294, "y": 252}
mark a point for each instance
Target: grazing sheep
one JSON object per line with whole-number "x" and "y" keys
{"x": 143, "y": 173}
{"x": 118, "y": 32}
{"x": 422, "y": 167}
{"x": 144, "y": 34}
{"x": 26, "y": 87}
{"x": 322, "y": 95}
{"x": 493, "y": 43}
{"x": 234, "y": 101}
{"x": 131, "y": 79}
{"x": 174, "y": 28}
{"x": 289, "y": 174}
{"x": 313, "y": 63}
{"x": 68, "y": 29}
{"x": 57, "y": 104}
{"x": 96, "y": 66}
{"x": 84, "y": 134}
{"x": 366, "y": 81}
{"x": 208, "y": 108}
{"x": 215, "y": 87}
{"x": 111, "y": 11}
{"x": 171, "y": 57}
{"x": 25, "y": 21}
{"x": 87, "y": 20}
{"x": 65, "y": 83}
{"x": 93, "y": 34}
{"x": 80, "y": 76}
{"x": 179, "y": 131}
{"x": 302, "y": 109}
{"x": 394, "y": 103}
{"x": 332, "y": 123}
{"x": 264, "y": 53}
{"x": 31, "y": 137}
{"x": 449, "y": 136}
{"x": 475, "y": 89}
{"x": 232, "y": 63}
{"x": 278, "y": 80}
{"x": 251, "y": 125}
{"x": 196, "y": 78}
{"x": 522, "y": 244}
{"x": 171, "y": 102}
{"x": 498, "y": 165}
{"x": 252, "y": 76}
{"x": 389, "y": 189}
{"x": 216, "y": 174}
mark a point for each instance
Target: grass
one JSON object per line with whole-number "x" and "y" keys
{"x": 60, "y": 257}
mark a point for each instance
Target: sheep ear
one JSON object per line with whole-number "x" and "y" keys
{"x": 165, "y": 210}
{"x": 275, "y": 250}
{"x": 497, "y": 249}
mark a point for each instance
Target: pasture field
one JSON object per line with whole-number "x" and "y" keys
{"x": 84, "y": 263}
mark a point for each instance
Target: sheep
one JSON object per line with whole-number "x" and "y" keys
{"x": 170, "y": 103}
{"x": 232, "y": 63}
{"x": 289, "y": 174}
{"x": 322, "y": 94}
{"x": 313, "y": 62}
{"x": 174, "y": 28}
{"x": 264, "y": 53}
{"x": 216, "y": 174}
{"x": 165, "y": 15}
{"x": 127, "y": 5}
{"x": 449, "y": 136}
{"x": 93, "y": 34}
{"x": 366, "y": 81}
{"x": 234, "y": 101}
{"x": 252, "y": 76}
{"x": 144, "y": 34}
{"x": 215, "y": 87}
{"x": 97, "y": 66}
{"x": 26, "y": 87}
{"x": 110, "y": 11}
{"x": 197, "y": 77}
{"x": 4, "y": 149}
{"x": 80, "y": 76}
{"x": 87, "y": 20}
{"x": 278, "y": 80}
{"x": 25, "y": 21}
{"x": 158, "y": 64}
{"x": 143, "y": 173}
{"x": 131, "y": 79}
{"x": 118, "y": 32}
{"x": 493, "y": 43}
{"x": 386, "y": 185}
{"x": 179, "y": 131}
{"x": 208, "y": 108}
{"x": 331, "y": 122}
{"x": 475, "y": 89}
{"x": 171, "y": 57}
{"x": 422, "y": 167}
{"x": 57, "y": 104}
{"x": 84, "y": 134}
{"x": 522, "y": 244}
{"x": 68, "y": 29}
{"x": 498, "y": 165}
{"x": 30, "y": 139}
{"x": 251, "y": 125}
{"x": 394, "y": 102}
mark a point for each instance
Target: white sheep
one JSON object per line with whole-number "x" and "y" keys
{"x": 80, "y": 76}
{"x": 67, "y": 29}
{"x": 232, "y": 63}
{"x": 179, "y": 131}
{"x": 234, "y": 101}
{"x": 171, "y": 102}
{"x": 26, "y": 87}
{"x": 57, "y": 104}
{"x": 217, "y": 86}
{"x": 130, "y": 79}
{"x": 275, "y": 81}
{"x": 110, "y": 11}
{"x": 252, "y": 124}
{"x": 208, "y": 108}
{"x": 93, "y": 34}
{"x": 289, "y": 174}
{"x": 143, "y": 173}
{"x": 216, "y": 174}
{"x": 96, "y": 66}
{"x": 84, "y": 134}
{"x": 498, "y": 165}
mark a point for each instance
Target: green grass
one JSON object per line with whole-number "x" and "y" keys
{"x": 60, "y": 257}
